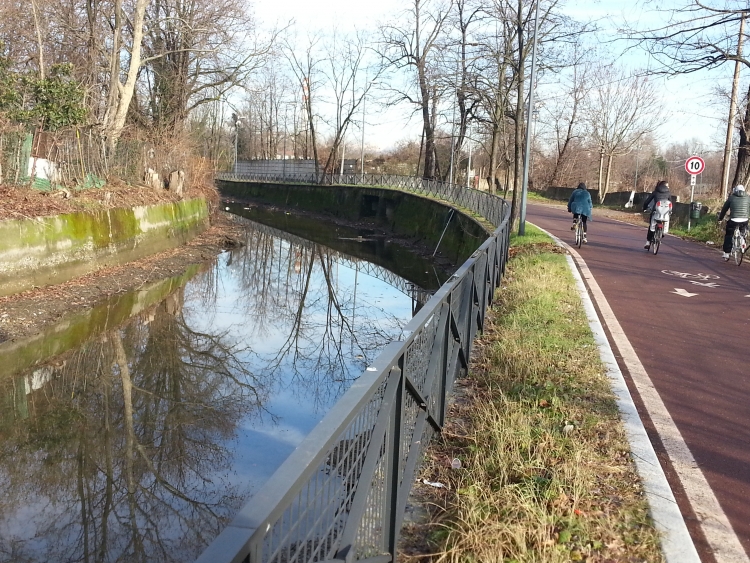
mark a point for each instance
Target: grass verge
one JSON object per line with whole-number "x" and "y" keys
{"x": 546, "y": 473}
{"x": 704, "y": 229}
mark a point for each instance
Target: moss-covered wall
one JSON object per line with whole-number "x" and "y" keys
{"x": 48, "y": 250}
{"x": 395, "y": 211}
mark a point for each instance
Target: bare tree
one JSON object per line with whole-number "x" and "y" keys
{"x": 623, "y": 108}
{"x": 494, "y": 85}
{"x": 344, "y": 67}
{"x": 565, "y": 115}
{"x": 306, "y": 68}
{"x": 413, "y": 46}
{"x": 464, "y": 86}
{"x": 195, "y": 51}
{"x": 698, "y": 37}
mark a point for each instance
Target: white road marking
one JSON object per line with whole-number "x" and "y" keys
{"x": 683, "y": 292}
{"x": 686, "y": 275}
{"x": 716, "y": 527}
{"x": 705, "y": 284}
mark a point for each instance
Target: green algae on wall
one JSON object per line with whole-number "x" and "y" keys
{"x": 46, "y": 250}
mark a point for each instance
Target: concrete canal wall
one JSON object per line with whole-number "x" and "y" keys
{"x": 394, "y": 211}
{"x": 48, "y": 250}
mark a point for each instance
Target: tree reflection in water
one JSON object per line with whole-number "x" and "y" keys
{"x": 128, "y": 448}
{"x": 324, "y": 333}
{"x": 121, "y": 455}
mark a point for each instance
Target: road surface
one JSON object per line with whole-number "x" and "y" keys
{"x": 686, "y": 313}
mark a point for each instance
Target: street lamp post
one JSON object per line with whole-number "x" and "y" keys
{"x": 468, "y": 164}
{"x": 529, "y": 116}
{"x": 237, "y": 122}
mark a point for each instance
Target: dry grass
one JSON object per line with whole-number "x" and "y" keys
{"x": 546, "y": 472}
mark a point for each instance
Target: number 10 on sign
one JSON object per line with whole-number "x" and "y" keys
{"x": 694, "y": 165}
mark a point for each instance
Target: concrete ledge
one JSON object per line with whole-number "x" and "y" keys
{"x": 48, "y": 250}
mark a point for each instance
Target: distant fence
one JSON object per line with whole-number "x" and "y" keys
{"x": 341, "y": 495}
{"x": 275, "y": 167}
{"x": 680, "y": 211}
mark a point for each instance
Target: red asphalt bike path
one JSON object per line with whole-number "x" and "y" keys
{"x": 695, "y": 348}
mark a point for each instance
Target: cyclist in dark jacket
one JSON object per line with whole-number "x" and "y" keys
{"x": 738, "y": 205}
{"x": 580, "y": 204}
{"x": 660, "y": 193}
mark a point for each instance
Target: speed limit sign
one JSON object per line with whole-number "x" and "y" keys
{"x": 694, "y": 165}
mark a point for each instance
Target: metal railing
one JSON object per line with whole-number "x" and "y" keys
{"x": 411, "y": 290}
{"x": 341, "y": 495}
{"x": 475, "y": 200}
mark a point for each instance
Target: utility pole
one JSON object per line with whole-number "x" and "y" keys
{"x": 529, "y": 117}
{"x": 732, "y": 110}
{"x": 468, "y": 165}
{"x": 237, "y": 122}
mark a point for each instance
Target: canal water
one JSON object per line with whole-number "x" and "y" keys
{"x": 135, "y": 431}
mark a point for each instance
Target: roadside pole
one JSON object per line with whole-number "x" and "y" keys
{"x": 692, "y": 193}
{"x": 693, "y": 166}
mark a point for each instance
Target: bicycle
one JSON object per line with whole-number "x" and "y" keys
{"x": 580, "y": 235}
{"x": 658, "y": 234}
{"x": 660, "y": 215}
{"x": 739, "y": 245}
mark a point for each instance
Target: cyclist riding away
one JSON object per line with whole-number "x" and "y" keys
{"x": 580, "y": 205}
{"x": 738, "y": 205}
{"x": 660, "y": 194}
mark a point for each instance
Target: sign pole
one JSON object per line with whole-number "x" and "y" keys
{"x": 693, "y": 166}
{"x": 692, "y": 193}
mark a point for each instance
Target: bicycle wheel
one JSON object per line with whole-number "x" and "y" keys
{"x": 579, "y": 233}
{"x": 657, "y": 239}
{"x": 737, "y": 249}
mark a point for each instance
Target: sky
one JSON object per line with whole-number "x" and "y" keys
{"x": 692, "y": 107}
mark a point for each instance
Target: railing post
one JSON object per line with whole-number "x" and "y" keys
{"x": 393, "y": 475}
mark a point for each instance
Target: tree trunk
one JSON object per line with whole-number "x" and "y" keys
{"x": 742, "y": 172}
{"x": 519, "y": 129}
{"x": 39, "y": 43}
{"x": 427, "y": 129}
{"x": 492, "y": 172}
{"x": 121, "y": 94}
{"x": 600, "y": 184}
{"x": 603, "y": 194}
{"x": 311, "y": 126}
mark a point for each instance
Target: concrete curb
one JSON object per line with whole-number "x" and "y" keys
{"x": 677, "y": 545}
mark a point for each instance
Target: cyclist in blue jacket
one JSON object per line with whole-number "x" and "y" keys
{"x": 580, "y": 204}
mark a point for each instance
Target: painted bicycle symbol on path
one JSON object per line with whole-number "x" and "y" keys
{"x": 695, "y": 279}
